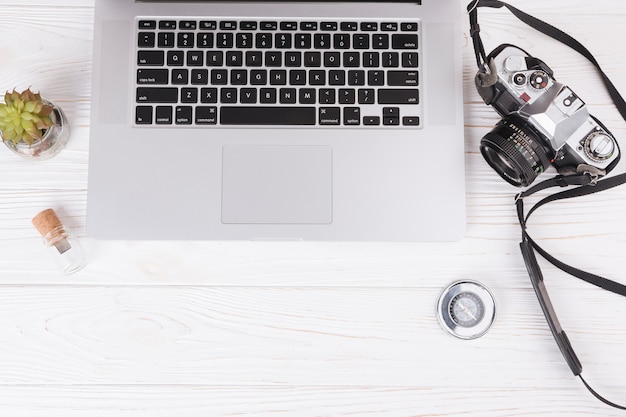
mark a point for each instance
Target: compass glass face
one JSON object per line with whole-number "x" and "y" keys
{"x": 466, "y": 309}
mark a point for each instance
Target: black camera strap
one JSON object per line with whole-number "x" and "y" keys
{"x": 587, "y": 183}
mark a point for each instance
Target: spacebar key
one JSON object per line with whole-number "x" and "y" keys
{"x": 267, "y": 116}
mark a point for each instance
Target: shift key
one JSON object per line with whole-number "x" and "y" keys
{"x": 398, "y": 96}
{"x": 157, "y": 95}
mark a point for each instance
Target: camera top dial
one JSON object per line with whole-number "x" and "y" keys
{"x": 598, "y": 146}
{"x": 519, "y": 79}
{"x": 539, "y": 80}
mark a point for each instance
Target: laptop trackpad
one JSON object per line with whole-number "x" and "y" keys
{"x": 277, "y": 184}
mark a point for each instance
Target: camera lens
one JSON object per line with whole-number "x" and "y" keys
{"x": 515, "y": 151}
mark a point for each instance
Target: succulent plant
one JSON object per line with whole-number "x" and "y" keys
{"x": 24, "y": 117}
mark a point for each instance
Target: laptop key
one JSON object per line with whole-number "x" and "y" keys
{"x": 391, "y": 111}
{"x": 303, "y": 40}
{"x": 404, "y": 41}
{"x": 369, "y": 26}
{"x": 189, "y": 95}
{"x": 248, "y": 25}
{"x": 360, "y": 41}
{"x": 409, "y": 27}
{"x": 205, "y": 40}
{"x": 411, "y": 121}
{"x": 208, "y": 95}
{"x": 283, "y": 40}
{"x": 167, "y": 24}
{"x": 409, "y": 59}
{"x": 269, "y": 25}
{"x": 283, "y": 115}
{"x": 175, "y": 58}
{"x": 308, "y": 25}
{"x": 352, "y": 116}
{"x": 208, "y": 25}
{"x": 146, "y": 40}
{"x": 288, "y": 96}
{"x": 389, "y": 27}
{"x": 391, "y": 121}
{"x": 228, "y": 25}
{"x": 268, "y": 95}
{"x": 166, "y": 40}
{"x": 143, "y": 115}
{"x": 366, "y": 96}
{"x": 329, "y": 26}
{"x": 187, "y": 24}
{"x": 371, "y": 120}
{"x": 151, "y": 58}
{"x": 157, "y": 95}
{"x": 307, "y": 95}
{"x": 390, "y": 59}
{"x": 380, "y": 41}
{"x": 185, "y": 40}
{"x": 329, "y": 116}
{"x": 183, "y": 115}
{"x": 206, "y": 115}
{"x": 288, "y": 25}
{"x": 327, "y": 96}
{"x": 248, "y": 95}
{"x": 180, "y": 76}
{"x": 163, "y": 115}
{"x": 402, "y": 78}
{"x": 152, "y": 76}
{"x": 214, "y": 58}
{"x": 376, "y": 77}
{"x": 224, "y": 40}
{"x": 147, "y": 24}
{"x": 398, "y": 96}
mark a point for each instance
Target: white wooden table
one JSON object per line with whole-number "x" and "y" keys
{"x": 156, "y": 329}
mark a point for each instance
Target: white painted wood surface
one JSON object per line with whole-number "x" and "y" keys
{"x": 155, "y": 329}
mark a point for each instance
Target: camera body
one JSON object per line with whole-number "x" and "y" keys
{"x": 544, "y": 122}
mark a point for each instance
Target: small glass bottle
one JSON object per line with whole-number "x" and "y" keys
{"x": 65, "y": 249}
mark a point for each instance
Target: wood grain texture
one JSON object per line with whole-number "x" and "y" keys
{"x": 151, "y": 329}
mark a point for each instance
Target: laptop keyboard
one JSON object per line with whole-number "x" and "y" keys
{"x": 272, "y": 72}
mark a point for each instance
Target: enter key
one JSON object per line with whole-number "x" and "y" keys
{"x": 402, "y": 78}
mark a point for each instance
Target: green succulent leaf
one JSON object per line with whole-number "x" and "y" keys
{"x": 24, "y": 117}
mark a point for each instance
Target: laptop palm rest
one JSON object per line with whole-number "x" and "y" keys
{"x": 277, "y": 184}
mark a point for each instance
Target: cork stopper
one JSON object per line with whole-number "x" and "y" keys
{"x": 46, "y": 222}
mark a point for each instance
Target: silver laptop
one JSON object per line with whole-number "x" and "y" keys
{"x": 315, "y": 120}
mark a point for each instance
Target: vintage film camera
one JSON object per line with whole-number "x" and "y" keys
{"x": 543, "y": 122}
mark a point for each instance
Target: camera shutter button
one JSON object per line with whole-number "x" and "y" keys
{"x": 599, "y": 146}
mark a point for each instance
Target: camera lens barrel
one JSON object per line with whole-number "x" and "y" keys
{"x": 515, "y": 151}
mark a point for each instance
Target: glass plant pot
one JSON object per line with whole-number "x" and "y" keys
{"x": 53, "y": 141}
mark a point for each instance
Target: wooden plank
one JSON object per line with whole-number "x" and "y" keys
{"x": 295, "y": 336}
{"x": 301, "y": 401}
